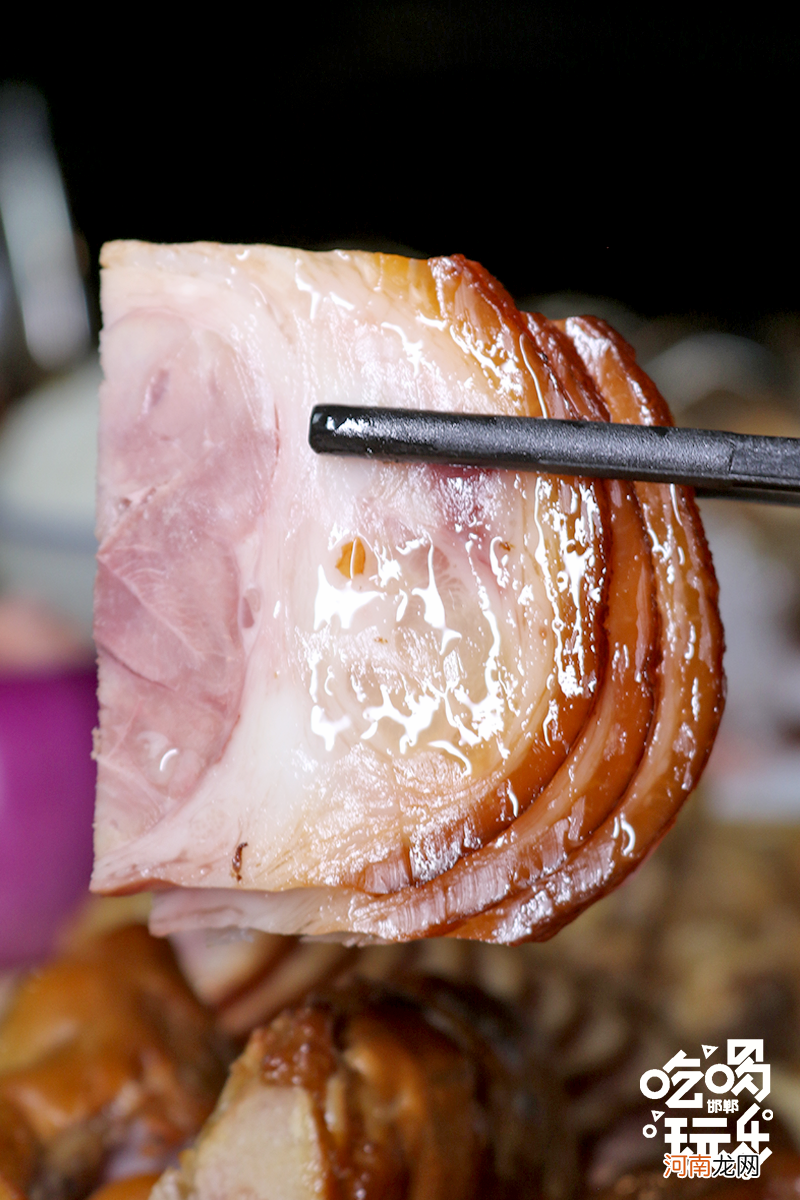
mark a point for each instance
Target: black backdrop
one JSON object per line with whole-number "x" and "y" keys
{"x": 651, "y": 158}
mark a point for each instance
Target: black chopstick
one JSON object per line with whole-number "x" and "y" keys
{"x": 735, "y": 465}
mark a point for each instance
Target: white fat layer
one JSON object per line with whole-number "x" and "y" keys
{"x": 396, "y": 629}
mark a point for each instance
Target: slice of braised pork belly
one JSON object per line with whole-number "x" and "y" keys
{"x": 364, "y": 700}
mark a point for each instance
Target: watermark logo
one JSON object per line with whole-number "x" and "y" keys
{"x": 727, "y": 1140}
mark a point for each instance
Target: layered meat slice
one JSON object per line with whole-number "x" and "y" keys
{"x": 367, "y": 699}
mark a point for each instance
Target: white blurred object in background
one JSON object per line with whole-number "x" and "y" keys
{"x": 708, "y": 362}
{"x": 38, "y": 234}
{"x": 48, "y": 452}
{"x": 754, "y": 771}
{"x": 716, "y": 380}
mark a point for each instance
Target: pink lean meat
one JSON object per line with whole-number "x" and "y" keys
{"x": 350, "y": 698}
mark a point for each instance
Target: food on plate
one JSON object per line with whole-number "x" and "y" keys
{"x": 364, "y": 700}
{"x": 430, "y": 1091}
{"x": 108, "y": 1064}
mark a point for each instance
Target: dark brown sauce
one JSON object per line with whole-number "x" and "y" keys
{"x": 236, "y": 862}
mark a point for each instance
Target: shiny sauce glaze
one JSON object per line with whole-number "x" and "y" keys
{"x": 362, "y": 699}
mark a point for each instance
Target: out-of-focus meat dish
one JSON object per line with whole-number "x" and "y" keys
{"x": 107, "y": 1064}
{"x": 384, "y": 1095}
{"x": 374, "y": 701}
{"x": 108, "y": 1067}
{"x": 702, "y": 944}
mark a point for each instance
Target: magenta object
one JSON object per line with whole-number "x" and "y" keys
{"x": 47, "y": 785}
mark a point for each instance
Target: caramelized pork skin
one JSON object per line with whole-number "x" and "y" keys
{"x": 105, "y": 1058}
{"x": 413, "y": 1095}
{"x": 365, "y": 700}
{"x": 688, "y": 679}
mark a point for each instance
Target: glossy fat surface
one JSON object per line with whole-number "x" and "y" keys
{"x": 321, "y": 672}
{"x": 413, "y": 700}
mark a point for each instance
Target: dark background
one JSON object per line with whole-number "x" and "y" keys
{"x": 649, "y": 159}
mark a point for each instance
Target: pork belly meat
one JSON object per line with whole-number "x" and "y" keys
{"x": 345, "y": 697}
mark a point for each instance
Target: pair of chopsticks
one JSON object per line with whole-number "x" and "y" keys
{"x": 733, "y": 465}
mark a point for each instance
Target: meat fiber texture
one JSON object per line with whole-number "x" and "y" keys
{"x": 363, "y": 700}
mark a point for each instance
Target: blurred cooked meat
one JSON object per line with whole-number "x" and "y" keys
{"x": 247, "y": 980}
{"x": 19, "y": 1153}
{"x": 402, "y": 1053}
{"x": 133, "y": 1187}
{"x": 107, "y": 1064}
{"x": 367, "y": 1093}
